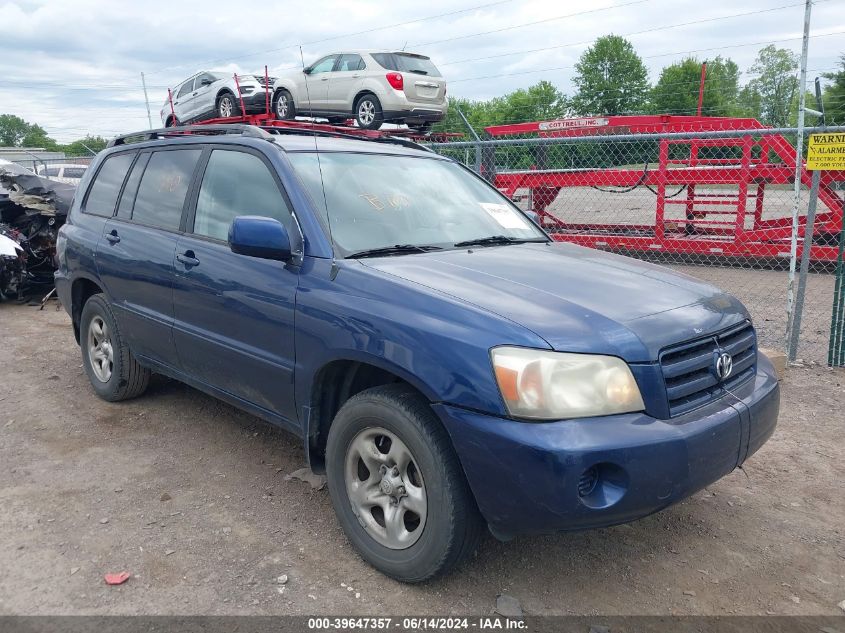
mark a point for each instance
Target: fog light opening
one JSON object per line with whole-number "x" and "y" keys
{"x": 602, "y": 485}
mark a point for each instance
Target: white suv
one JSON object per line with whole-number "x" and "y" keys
{"x": 371, "y": 86}
{"x": 213, "y": 94}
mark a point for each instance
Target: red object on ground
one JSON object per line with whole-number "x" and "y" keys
{"x": 117, "y": 579}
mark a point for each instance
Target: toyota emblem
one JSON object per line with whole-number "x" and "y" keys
{"x": 724, "y": 365}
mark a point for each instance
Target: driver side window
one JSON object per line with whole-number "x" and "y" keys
{"x": 236, "y": 183}
{"x": 325, "y": 65}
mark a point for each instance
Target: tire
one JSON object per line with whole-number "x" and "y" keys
{"x": 125, "y": 378}
{"x": 368, "y": 112}
{"x": 447, "y": 527}
{"x": 281, "y": 98}
{"x": 227, "y": 106}
{"x": 171, "y": 122}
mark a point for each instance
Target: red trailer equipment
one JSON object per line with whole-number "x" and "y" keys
{"x": 721, "y": 211}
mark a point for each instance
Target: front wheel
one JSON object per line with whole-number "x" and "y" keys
{"x": 283, "y": 105}
{"x": 368, "y": 112}
{"x": 397, "y": 487}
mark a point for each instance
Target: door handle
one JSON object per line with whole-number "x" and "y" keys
{"x": 188, "y": 258}
{"x": 113, "y": 237}
{"x": 324, "y": 79}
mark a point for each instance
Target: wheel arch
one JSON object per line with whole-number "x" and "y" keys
{"x": 336, "y": 382}
{"x": 82, "y": 289}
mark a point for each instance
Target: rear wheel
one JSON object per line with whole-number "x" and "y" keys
{"x": 397, "y": 487}
{"x": 283, "y": 105}
{"x": 112, "y": 369}
{"x": 368, "y": 112}
{"x": 227, "y": 106}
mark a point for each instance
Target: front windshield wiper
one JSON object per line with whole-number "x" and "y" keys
{"x": 494, "y": 240}
{"x": 397, "y": 249}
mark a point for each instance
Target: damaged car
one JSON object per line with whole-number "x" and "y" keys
{"x": 32, "y": 209}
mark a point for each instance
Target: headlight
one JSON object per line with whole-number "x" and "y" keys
{"x": 554, "y": 385}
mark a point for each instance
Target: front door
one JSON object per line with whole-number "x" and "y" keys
{"x": 234, "y": 314}
{"x": 315, "y": 84}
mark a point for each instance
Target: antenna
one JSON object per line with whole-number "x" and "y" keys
{"x": 320, "y": 168}
{"x": 404, "y": 45}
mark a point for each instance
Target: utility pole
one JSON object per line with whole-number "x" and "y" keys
{"x": 147, "y": 99}
{"x": 799, "y": 163}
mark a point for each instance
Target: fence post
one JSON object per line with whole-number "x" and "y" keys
{"x": 472, "y": 131}
{"x": 799, "y": 161}
{"x": 836, "y": 348}
{"x": 798, "y": 306}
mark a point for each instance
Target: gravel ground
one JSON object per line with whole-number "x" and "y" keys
{"x": 189, "y": 496}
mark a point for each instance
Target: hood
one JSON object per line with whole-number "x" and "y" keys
{"x": 577, "y": 299}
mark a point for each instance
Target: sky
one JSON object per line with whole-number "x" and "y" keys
{"x": 74, "y": 66}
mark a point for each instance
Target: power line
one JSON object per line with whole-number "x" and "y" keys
{"x": 337, "y": 37}
{"x": 536, "y": 22}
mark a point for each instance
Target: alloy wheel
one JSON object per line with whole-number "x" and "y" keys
{"x": 100, "y": 349}
{"x": 386, "y": 488}
{"x": 366, "y": 112}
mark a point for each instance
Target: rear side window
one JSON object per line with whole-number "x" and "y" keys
{"x": 163, "y": 187}
{"x": 74, "y": 172}
{"x": 351, "y": 62}
{"x": 236, "y": 183}
{"x": 52, "y": 171}
{"x": 185, "y": 89}
{"x": 102, "y": 196}
{"x": 127, "y": 198}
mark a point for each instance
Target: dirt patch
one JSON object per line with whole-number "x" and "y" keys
{"x": 189, "y": 495}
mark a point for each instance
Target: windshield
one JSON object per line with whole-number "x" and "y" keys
{"x": 375, "y": 201}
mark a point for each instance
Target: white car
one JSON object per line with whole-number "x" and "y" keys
{"x": 214, "y": 94}
{"x": 68, "y": 173}
{"x": 372, "y": 86}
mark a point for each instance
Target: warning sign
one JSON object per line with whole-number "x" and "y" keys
{"x": 826, "y": 151}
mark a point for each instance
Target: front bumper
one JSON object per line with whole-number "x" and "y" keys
{"x": 526, "y": 476}
{"x": 256, "y": 102}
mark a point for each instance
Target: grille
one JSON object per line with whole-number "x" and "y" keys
{"x": 689, "y": 368}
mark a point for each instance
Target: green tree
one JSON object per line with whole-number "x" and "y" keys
{"x": 676, "y": 91}
{"x": 85, "y": 147}
{"x": 610, "y": 78}
{"x": 774, "y": 86}
{"x": 15, "y": 132}
{"x": 540, "y": 102}
{"x": 834, "y": 96}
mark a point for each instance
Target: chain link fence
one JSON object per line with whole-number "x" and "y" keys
{"x": 714, "y": 202}
{"x": 68, "y": 170}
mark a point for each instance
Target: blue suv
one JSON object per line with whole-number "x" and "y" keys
{"x": 446, "y": 364}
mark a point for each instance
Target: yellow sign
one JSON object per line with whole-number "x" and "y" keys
{"x": 826, "y": 151}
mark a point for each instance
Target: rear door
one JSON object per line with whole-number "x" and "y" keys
{"x": 234, "y": 314}
{"x": 137, "y": 251}
{"x": 183, "y": 101}
{"x": 202, "y": 100}
{"x": 344, "y": 82}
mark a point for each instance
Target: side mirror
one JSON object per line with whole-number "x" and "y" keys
{"x": 533, "y": 215}
{"x": 307, "y": 70}
{"x": 206, "y": 82}
{"x": 257, "y": 236}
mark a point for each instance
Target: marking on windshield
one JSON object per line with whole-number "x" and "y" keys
{"x": 504, "y": 215}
